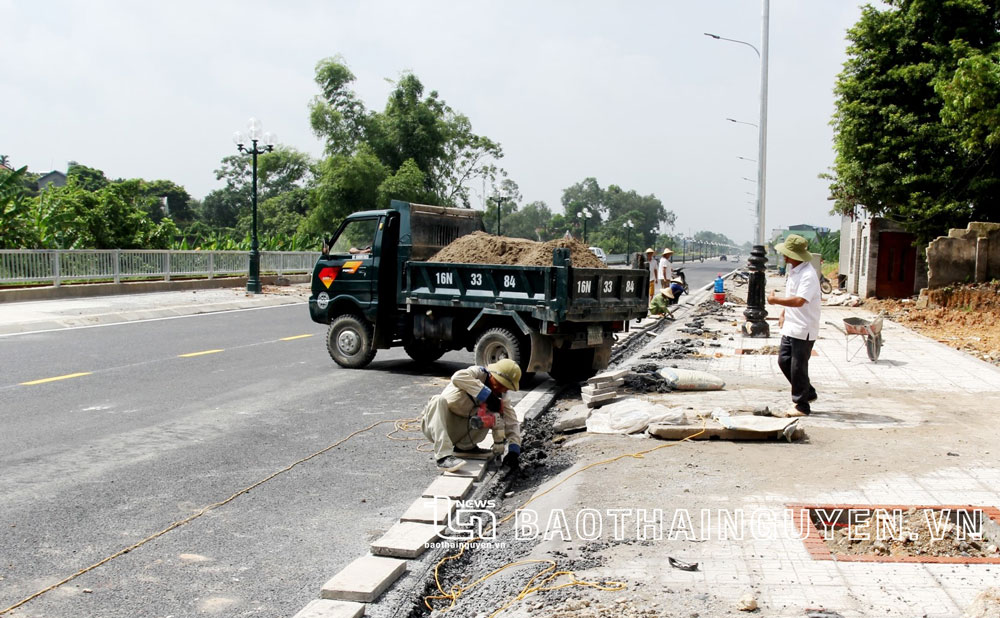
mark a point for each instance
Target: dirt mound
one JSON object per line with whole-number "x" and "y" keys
{"x": 966, "y": 318}
{"x": 483, "y": 248}
{"x": 916, "y": 532}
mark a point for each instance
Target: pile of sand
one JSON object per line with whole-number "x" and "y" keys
{"x": 483, "y": 248}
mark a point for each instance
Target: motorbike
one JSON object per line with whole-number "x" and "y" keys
{"x": 824, "y": 284}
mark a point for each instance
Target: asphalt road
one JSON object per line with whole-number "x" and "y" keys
{"x": 700, "y": 274}
{"x": 172, "y": 416}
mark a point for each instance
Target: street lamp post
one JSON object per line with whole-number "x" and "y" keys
{"x": 584, "y": 214}
{"x": 255, "y": 136}
{"x": 628, "y": 225}
{"x": 756, "y": 313}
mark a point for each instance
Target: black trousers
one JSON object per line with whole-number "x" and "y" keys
{"x": 793, "y": 360}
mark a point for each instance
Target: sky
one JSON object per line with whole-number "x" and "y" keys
{"x": 631, "y": 93}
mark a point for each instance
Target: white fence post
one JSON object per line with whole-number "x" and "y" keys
{"x": 55, "y": 268}
{"x": 211, "y": 264}
{"x": 118, "y": 269}
{"x": 166, "y": 266}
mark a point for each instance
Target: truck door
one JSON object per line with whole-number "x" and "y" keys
{"x": 350, "y": 270}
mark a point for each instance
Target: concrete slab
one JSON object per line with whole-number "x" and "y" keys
{"x": 429, "y": 510}
{"x": 325, "y": 608}
{"x": 573, "y": 419}
{"x": 406, "y": 539}
{"x": 363, "y": 580}
{"x": 609, "y": 376}
{"x": 454, "y": 487}
{"x": 595, "y": 400}
{"x": 602, "y": 388}
{"x": 474, "y": 469}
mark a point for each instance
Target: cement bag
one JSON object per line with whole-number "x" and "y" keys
{"x": 631, "y": 416}
{"x": 691, "y": 380}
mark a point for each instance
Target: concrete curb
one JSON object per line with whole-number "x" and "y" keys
{"x": 85, "y": 290}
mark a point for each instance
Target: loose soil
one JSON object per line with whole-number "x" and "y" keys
{"x": 483, "y": 248}
{"x": 966, "y": 318}
{"x": 924, "y": 532}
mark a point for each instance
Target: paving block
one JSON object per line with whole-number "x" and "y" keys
{"x": 325, "y": 608}
{"x": 596, "y": 400}
{"x": 600, "y": 389}
{"x": 474, "y": 469}
{"x": 429, "y": 510}
{"x": 573, "y": 419}
{"x": 406, "y": 539}
{"x": 609, "y": 376}
{"x": 454, "y": 487}
{"x": 363, "y": 580}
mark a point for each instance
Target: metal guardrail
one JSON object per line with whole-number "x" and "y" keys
{"x": 58, "y": 266}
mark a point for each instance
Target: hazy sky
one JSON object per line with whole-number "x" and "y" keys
{"x": 631, "y": 93}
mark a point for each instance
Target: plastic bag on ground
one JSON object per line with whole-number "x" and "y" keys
{"x": 631, "y": 416}
{"x": 691, "y": 380}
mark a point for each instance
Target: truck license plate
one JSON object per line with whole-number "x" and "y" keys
{"x": 595, "y": 335}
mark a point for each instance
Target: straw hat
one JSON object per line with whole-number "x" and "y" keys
{"x": 650, "y": 250}
{"x": 667, "y": 251}
{"x": 794, "y": 247}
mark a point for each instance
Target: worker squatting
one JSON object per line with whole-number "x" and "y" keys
{"x": 472, "y": 521}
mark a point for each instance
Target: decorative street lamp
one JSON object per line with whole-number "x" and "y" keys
{"x": 629, "y": 226}
{"x": 584, "y": 214}
{"x": 254, "y": 136}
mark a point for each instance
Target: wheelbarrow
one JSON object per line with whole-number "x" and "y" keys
{"x": 870, "y": 332}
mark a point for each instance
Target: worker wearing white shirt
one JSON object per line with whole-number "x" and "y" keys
{"x": 653, "y": 264}
{"x": 799, "y": 321}
{"x": 666, "y": 271}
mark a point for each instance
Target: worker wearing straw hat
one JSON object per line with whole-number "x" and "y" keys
{"x": 666, "y": 271}
{"x": 799, "y": 321}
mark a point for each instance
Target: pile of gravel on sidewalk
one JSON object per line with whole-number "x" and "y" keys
{"x": 645, "y": 378}
{"x": 940, "y": 538}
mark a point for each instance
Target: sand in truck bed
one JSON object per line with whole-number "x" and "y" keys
{"x": 483, "y": 248}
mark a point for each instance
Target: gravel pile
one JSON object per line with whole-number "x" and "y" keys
{"x": 483, "y": 248}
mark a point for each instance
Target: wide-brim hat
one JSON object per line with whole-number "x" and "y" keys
{"x": 794, "y": 247}
{"x": 667, "y": 251}
{"x": 506, "y": 372}
{"x": 677, "y": 280}
{"x": 649, "y": 250}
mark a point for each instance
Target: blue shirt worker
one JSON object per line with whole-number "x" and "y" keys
{"x": 799, "y": 321}
{"x": 474, "y": 403}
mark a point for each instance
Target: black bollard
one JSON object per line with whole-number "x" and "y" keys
{"x": 756, "y": 313}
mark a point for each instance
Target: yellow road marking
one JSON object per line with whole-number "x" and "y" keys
{"x": 65, "y": 377}
{"x": 198, "y": 353}
{"x": 295, "y": 337}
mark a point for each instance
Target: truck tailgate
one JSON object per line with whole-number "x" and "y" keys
{"x": 597, "y": 294}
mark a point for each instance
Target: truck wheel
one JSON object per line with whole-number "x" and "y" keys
{"x": 572, "y": 365}
{"x": 424, "y": 352}
{"x": 497, "y": 344}
{"x": 349, "y": 342}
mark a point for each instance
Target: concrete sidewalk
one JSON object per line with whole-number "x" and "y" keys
{"x": 42, "y": 315}
{"x": 915, "y": 428}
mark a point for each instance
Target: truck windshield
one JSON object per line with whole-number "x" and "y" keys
{"x": 356, "y": 238}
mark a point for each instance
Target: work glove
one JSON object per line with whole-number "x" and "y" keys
{"x": 494, "y": 403}
{"x": 512, "y": 459}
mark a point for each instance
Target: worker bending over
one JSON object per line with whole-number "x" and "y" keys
{"x": 669, "y": 295}
{"x": 473, "y": 404}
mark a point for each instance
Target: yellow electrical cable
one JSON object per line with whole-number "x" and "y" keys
{"x": 400, "y": 422}
{"x": 529, "y": 588}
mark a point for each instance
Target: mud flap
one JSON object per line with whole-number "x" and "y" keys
{"x": 541, "y": 352}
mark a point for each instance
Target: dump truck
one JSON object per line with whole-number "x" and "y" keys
{"x": 375, "y": 289}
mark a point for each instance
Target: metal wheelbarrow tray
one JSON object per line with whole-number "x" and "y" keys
{"x": 869, "y": 330}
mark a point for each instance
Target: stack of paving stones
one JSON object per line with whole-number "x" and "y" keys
{"x": 364, "y": 580}
{"x": 603, "y": 388}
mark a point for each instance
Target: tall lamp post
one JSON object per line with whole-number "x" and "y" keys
{"x": 254, "y": 135}
{"x": 584, "y": 214}
{"x": 756, "y": 313}
{"x": 629, "y": 226}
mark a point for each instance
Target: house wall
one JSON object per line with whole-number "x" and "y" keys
{"x": 964, "y": 255}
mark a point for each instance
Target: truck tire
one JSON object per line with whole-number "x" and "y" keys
{"x": 499, "y": 343}
{"x": 572, "y": 365}
{"x": 424, "y": 352}
{"x": 349, "y": 342}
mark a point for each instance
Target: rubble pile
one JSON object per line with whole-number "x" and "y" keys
{"x": 483, "y": 248}
{"x": 645, "y": 378}
{"x": 680, "y": 348}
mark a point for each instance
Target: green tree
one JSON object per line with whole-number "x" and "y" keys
{"x": 412, "y": 127}
{"x": 534, "y": 221}
{"x": 87, "y": 178}
{"x": 14, "y": 206}
{"x": 346, "y": 184}
{"x": 916, "y": 112}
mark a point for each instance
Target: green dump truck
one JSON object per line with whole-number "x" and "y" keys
{"x": 375, "y": 290}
